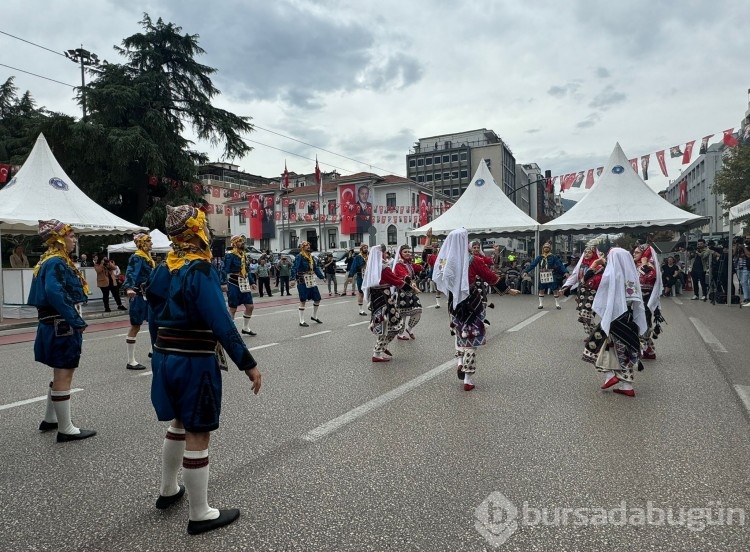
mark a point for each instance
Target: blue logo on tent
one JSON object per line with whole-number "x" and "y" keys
{"x": 479, "y": 182}
{"x": 58, "y": 183}
{"x": 618, "y": 169}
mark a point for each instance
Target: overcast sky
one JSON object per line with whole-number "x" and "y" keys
{"x": 559, "y": 81}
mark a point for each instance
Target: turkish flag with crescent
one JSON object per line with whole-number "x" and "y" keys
{"x": 4, "y": 170}
{"x": 683, "y": 192}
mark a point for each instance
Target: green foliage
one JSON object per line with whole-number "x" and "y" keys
{"x": 137, "y": 114}
{"x": 733, "y": 181}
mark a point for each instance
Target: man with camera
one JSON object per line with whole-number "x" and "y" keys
{"x": 700, "y": 264}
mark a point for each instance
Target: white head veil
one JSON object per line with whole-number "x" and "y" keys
{"x": 451, "y": 272}
{"x": 619, "y": 286}
{"x": 373, "y": 269}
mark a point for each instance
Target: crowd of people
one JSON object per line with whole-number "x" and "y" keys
{"x": 192, "y": 328}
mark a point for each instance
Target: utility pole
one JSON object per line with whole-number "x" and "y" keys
{"x": 86, "y": 59}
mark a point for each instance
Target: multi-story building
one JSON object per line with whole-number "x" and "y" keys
{"x": 699, "y": 179}
{"x": 355, "y": 209}
{"x": 446, "y": 163}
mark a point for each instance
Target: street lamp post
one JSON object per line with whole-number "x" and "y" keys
{"x": 86, "y": 59}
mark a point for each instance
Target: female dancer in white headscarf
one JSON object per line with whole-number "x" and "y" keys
{"x": 465, "y": 279}
{"x": 619, "y": 303}
{"x": 649, "y": 271}
{"x": 585, "y": 279}
{"x": 385, "y": 321}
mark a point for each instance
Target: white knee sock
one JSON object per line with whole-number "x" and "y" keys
{"x": 626, "y": 386}
{"x": 315, "y": 310}
{"x": 61, "y": 401}
{"x": 49, "y": 413}
{"x": 172, "y": 451}
{"x": 246, "y": 322}
{"x": 437, "y": 300}
{"x": 301, "y": 316}
{"x": 467, "y": 379}
{"x": 540, "y": 300}
{"x": 609, "y": 374}
{"x": 195, "y": 475}
{"x": 130, "y": 342}
{"x": 556, "y": 303}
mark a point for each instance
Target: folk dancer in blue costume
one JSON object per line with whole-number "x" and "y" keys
{"x": 358, "y": 269}
{"x": 385, "y": 320}
{"x": 304, "y": 265}
{"x": 137, "y": 274}
{"x": 190, "y": 329}
{"x": 58, "y": 289}
{"x": 548, "y": 264}
{"x": 466, "y": 278}
{"x": 234, "y": 273}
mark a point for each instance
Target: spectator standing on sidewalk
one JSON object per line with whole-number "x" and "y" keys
{"x": 264, "y": 277}
{"x": 284, "y": 270}
{"x": 106, "y": 281}
{"x": 700, "y": 264}
{"x": 329, "y": 269}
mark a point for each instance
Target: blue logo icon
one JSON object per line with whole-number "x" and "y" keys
{"x": 618, "y": 169}
{"x": 479, "y": 182}
{"x": 58, "y": 183}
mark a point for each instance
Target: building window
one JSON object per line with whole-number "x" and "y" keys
{"x": 454, "y": 175}
{"x": 464, "y": 156}
{"x": 446, "y": 158}
{"x": 438, "y": 176}
{"x": 392, "y": 235}
{"x": 428, "y": 177}
{"x": 412, "y": 163}
{"x": 420, "y": 178}
{"x": 265, "y": 244}
{"x": 437, "y": 159}
{"x": 446, "y": 176}
{"x": 454, "y": 158}
{"x": 310, "y": 207}
{"x": 464, "y": 173}
{"x": 356, "y": 238}
{"x": 455, "y": 192}
{"x": 420, "y": 161}
{"x": 390, "y": 200}
{"x": 428, "y": 160}
{"x": 243, "y": 220}
{"x": 331, "y": 238}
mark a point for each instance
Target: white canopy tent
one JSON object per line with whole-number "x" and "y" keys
{"x": 619, "y": 201}
{"x": 483, "y": 209}
{"x": 160, "y": 241}
{"x": 41, "y": 191}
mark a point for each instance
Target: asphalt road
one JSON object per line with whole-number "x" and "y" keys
{"x": 338, "y": 453}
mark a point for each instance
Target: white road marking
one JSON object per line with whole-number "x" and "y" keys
{"x": 262, "y": 346}
{"x": 142, "y": 374}
{"x": 707, "y": 336}
{"x": 29, "y": 401}
{"x": 314, "y": 334}
{"x": 358, "y": 323}
{"x": 527, "y": 322}
{"x": 744, "y": 392}
{"x": 676, "y": 300}
{"x": 332, "y": 425}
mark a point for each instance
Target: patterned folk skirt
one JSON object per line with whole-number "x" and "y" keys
{"x": 385, "y": 318}
{"x": 408, "y": 303}
{"x": 623, "y": 334}
{"x": 467, "y": 319}
{"x": 585, "y": 300}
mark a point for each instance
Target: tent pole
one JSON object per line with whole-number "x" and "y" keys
{"x": 730, "y": 276}
{"x": 2, "y": 276}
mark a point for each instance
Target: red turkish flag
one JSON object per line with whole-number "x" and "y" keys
{"x": 683, "y": 193}
{"x": 152, "y": 180}
{"x": 729, "y": 138}
{"x": 589, "y": 179}
{"x": 662, "y": 164}
{"x": 634, "y": 164}
{"x": 215, "y": 191}
{"x": 236, "y": 195}
{"x": 4, "y": 170}
{"x": 228, "y": 211}
{"x": 688, "y": 152}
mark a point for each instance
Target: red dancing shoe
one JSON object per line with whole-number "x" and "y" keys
{"x": 380, "y": 359}
{"x": 468, "y": 386}
{"x": 648, "y": 354}
{"x": 610, "y": 382}
{"x": 386, "y": 351}
{"x": 403, "y": 337}
{"x": 626, "y": 392}
{"x": 411, "y": 335}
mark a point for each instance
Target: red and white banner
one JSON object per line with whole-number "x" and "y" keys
{"x": 662, "y": 163}
{"x": 683, "y": 192}
{"x": 688, "y": 152}
{"x": 729, "y": 138}
{"x": 634, "y": 164}
{"x": 589, "y": 179}
{"x": 704, "y": 144}
{"x": 348, "y": 202}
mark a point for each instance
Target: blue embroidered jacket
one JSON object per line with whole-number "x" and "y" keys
{"x": 233, "y": 265}
{"x": 137, "y": 273}
{"x": 302, "y": 266}
{"x": 191, "y": 299}
{"x": 57, "y": 287}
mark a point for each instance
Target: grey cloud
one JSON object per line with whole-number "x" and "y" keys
{"x": 590, "y": 121}
{"x": 602, "y": 72}
{"x": 562, "y": 91}
{"x": 607, "y": 98}
{"x": 533, "y": 130}
{"x": 283, "y": 51}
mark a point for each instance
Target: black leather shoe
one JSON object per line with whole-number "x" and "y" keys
{"x": 318, "y": 320}
{"x": 138, "y": 366}
{"x": 164, "y": 502}
{"x": 304, "y": 324}
{"x": 122, "y": 307}
{"x": 249, "y": 332}
{"x": 47, "y": 426}
{"x": 107, "y": 310}
{"x": 84, "y": 434}
{"x": 150, "y": 355}
{"x": 225, "y": 518}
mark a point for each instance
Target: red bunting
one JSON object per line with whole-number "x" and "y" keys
{"x": 729, "y": 138}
